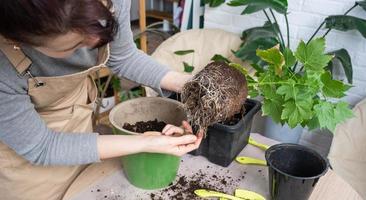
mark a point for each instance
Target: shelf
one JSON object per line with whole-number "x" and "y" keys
{"x": 159, "y": 15}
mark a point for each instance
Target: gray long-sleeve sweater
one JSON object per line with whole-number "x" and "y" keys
{"x": 21, "y": 127}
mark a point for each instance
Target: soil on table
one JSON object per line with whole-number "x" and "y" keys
{"x": 214, "y": 95}
{"x": 185, "y": 186}
{"x": 142, "y": 127}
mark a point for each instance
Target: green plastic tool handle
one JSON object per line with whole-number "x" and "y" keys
{"x": 209, "y": 193}
{"x": 250, "y": 161}
{"x": 257, "y": 144}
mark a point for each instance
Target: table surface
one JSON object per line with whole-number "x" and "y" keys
{"x": 195, "y": 169}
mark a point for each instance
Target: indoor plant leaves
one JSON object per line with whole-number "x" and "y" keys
{"x": 330, "y": 114}
{"x": 300, "y": 98}
{"x": 274, "y": 57}
{"x": 187, "y": 67}
{"x": 345, "y": 59}
{"x": 263, "y": 37}
{"x": 220, "y": 58}
{"x": 256, "y": 5}
{"x": 346, "y": 23}
{"x": 183, "y": 52}
{"x": 296, "y": 112}
{"x": 333, "y": 88}
{"x": 311, "y": 55}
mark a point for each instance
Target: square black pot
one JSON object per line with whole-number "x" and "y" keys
{"x": 224, "y": 142}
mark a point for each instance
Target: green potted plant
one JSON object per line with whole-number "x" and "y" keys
{"x": 298, "y": 88}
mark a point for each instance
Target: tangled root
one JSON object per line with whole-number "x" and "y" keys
{"x": 213, "y": 95}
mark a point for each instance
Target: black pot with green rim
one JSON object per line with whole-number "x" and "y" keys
{"x": 294, "y": 171}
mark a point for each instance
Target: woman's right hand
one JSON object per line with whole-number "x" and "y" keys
{"x": 167, "y": 142}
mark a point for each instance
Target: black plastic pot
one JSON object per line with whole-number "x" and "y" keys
{"x": 294, "y": 170}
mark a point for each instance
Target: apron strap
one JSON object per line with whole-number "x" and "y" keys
{"x": 15, "y": 56}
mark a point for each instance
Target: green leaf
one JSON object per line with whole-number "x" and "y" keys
{"x": 345, "y": 59}
{"x": 289, "y": 90}
{"x": 274, "y": 57}
{"x": 290, "y": 59}
{"x": 346, "y": 23}
{"x": 247, "y": 52}
{"x": 330, "y": 114}
{"x": 267, "y": 30}
{"x": 116, "y": 83}
{"x": 324, "y": 111}
{"x": 187, "y": 67}
{"x": 184, "y": 52}
{"x": 214, "y": 3}
{"x": 333, "y": 88}
{"x": 257, "y": 5}
{"x": 258, "y": 68}
{"x": 220, "y": 58}
{"x": 295, "y": 112}
{"x": 342, "y": 112}
{"x": 362, "y": 4}
{"x": 273, "y": 108}
{"x": 137, "y": 42}
{"x": 239, "y": 68}
{"x": 263, "y": 37}
{"x": 312, "y": 55}
{"x": 313, "y": 123}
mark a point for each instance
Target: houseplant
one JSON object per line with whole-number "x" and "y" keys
{"x": 278, "y": 102}
{"x": 206, "y": 98}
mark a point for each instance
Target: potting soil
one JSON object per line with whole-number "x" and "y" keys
{"x": 142, "y": 127}
{"x": 185, "y": 186}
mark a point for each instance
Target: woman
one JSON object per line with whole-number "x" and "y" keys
{"x": 49, "y": 51}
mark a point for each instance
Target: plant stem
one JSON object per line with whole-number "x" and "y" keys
{"x": 275, "y": 83}
{"x": 274, "y": 29}
{"x": 321, "y": 25}
{"x": 301, "y": 68}
{"x": 326, "y": 33}
{"x": 294, "y": 68}
{"x": 269, "y": 19}
{"x": 279, "y": 30}
{"x": 316, "y": 31}
{"x": 349, "y": 10}
{"x": 288, "y": 31}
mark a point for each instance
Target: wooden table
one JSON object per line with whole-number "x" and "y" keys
{"x": 250, "y": 177}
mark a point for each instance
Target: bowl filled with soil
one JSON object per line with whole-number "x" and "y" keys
{"x": 136, "y": 116}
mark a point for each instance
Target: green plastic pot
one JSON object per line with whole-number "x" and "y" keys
{"x": 148, "y": 170}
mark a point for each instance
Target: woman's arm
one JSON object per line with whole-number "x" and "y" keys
{"x": 110, "y": 146}
{"x": 129, "y": 62}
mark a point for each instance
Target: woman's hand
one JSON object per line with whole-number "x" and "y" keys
{"x": 174, "y": 140}
{"x": 110, "y": 146}
{"x": 174, "y": 81}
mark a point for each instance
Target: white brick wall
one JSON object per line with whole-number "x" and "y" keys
{"x": 304, "y": 17}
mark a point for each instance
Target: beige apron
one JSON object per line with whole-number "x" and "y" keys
{"x": 65, "y": 103}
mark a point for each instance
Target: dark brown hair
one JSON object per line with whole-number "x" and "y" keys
{"x": 29, "y": 21}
